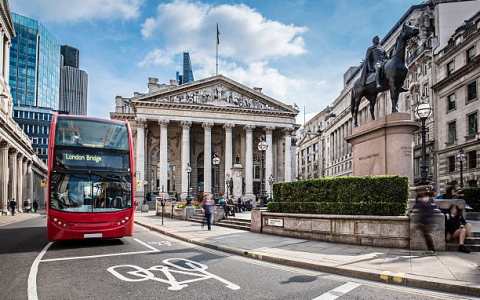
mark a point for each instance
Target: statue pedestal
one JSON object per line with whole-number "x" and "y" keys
{"x": 384, "y": 146}
{"x": 237, "y": 176}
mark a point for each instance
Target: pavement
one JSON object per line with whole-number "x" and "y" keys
{"x": 452, "y": 272}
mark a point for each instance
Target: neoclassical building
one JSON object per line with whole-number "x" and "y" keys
{"x": 21, "y": 171}
{"x": 176, "y": 126}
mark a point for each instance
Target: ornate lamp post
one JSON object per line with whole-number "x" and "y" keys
{"x": 262, "y": 146}
{"x": 227, "y": 182}
{"x": 423, "y": 111}
{"x": 271, "y": 180}
{"x": 461, "y": 159}
{"x": 216, "y": 163}
{"x": 188, "y": 170}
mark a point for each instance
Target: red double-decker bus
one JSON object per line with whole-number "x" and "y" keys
{"x": 90, "y": 178}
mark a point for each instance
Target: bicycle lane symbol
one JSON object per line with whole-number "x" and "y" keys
{"x": 197, "y": 270}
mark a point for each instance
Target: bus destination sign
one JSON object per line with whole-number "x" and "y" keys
{"x": 92, "y": 160}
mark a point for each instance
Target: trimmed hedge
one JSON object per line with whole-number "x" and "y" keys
{"x": 385, "y": 195}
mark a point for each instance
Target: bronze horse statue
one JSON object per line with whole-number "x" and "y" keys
{"x": 393, "y": 76}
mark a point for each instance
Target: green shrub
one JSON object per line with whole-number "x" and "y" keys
{"x": 366, "y": 195}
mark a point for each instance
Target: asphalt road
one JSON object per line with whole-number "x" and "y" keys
{"x": 153, "y": 266}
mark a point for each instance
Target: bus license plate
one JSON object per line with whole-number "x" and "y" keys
{"x": 92, "y": 235}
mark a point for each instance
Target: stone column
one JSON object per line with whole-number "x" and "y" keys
{"x": 207, "y": 158}
{"x": 186, "y": 125}
{"x": 228, "y": 151}
{"x": 29, "y": 178}
{"x": 163, "y": 123}
{"x": 25, "y": 189}
{"x": 288, "y": 155}
{"x": 19, "y": 174}
{"x": 269, "y": 157}
{"x": 4, "y": 176}
{"x": 249, "y": 162}
{"x": 140, "y": 155}
{"x": 280, "y": 158}
{"x": 13, "y": 175}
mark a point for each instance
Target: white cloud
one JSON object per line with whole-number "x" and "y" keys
{"x": 244, "y": 34}
{"x": 76, "y": 10}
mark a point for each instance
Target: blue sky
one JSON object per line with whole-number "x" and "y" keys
{"x": 297, "y": 51}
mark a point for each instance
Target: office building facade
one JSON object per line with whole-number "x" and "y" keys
{"x": 73, "y": 83}
{"x": 34, "y": 79}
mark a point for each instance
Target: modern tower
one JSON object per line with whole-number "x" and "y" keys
{"x": 73, "y": 82}
{"x": 187, "y": 70}
{"x": 34, "y": 80}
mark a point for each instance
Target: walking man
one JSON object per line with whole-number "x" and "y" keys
{"x": 208, "y": 205}
{"x": 13, "y": 206}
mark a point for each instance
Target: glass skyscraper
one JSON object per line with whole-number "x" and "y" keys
{"x": 35, "y": 53}
{"x": 34, "y": 80}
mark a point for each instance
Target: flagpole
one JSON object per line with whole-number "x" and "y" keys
{"x": 216, "y": 51}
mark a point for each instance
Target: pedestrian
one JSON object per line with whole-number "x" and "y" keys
{"x": 208, "y": 205}
{"x": 35, "y": 205}
{"x": 13, "y": 206}
{"x": 424, "y": 202}
{"x": 453, "y": 192}
{"x": 457, "y": 227}
{"x": 29, "y": 205}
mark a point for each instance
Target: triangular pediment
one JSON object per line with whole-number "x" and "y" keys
{"x": 218, "y": 92}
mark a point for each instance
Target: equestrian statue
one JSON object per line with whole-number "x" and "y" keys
{"x": 380, "y": 73}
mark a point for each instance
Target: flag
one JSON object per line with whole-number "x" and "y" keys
{"x": 218, "y": 35}
{"x": 296, "y": 106}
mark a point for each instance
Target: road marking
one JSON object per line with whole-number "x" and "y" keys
{"x": 161, "y": 243}
{"x": 339, "y": 291}
{"x": 145, "y": 244}
{"x": 32, "y": 277}
{"x": 132, "y": 273}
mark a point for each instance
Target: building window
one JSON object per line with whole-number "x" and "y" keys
{"x": 303, "y": 161}
{"x": 425, "y": 90}
{"x": 451, "y": 163}
{"x": 315, "y": 147}
{"x": 303, "y": 152}
{"x": 470, "y": 53}
{"x": 256, "y": 172}
{"x": 472, "y": 124}
{"x": 309, "y": 150}
{"x": 472, "y": 159}
{"x": 315, "y": 156}
{"x": 452, "y": 131}
{"x": 472, "y": 91}
{"x": 451, "y": 102}
{"x": 450, "y": 67}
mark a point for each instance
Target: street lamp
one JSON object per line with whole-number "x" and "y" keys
{"x": 461, "y": 159}
{"x": 271, "y": 180}
{"x": 216, "y": 162}
{"x": 423, "y": 111}
{"x": 227, "y": 182}
{"x": 188, "y": 170}
{"x": 262, "y": 146}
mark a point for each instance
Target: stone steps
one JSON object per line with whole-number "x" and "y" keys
{"x": 229, "y": 222}
{"x": 471, "y": 243}
{"x": 235, "y": 223}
